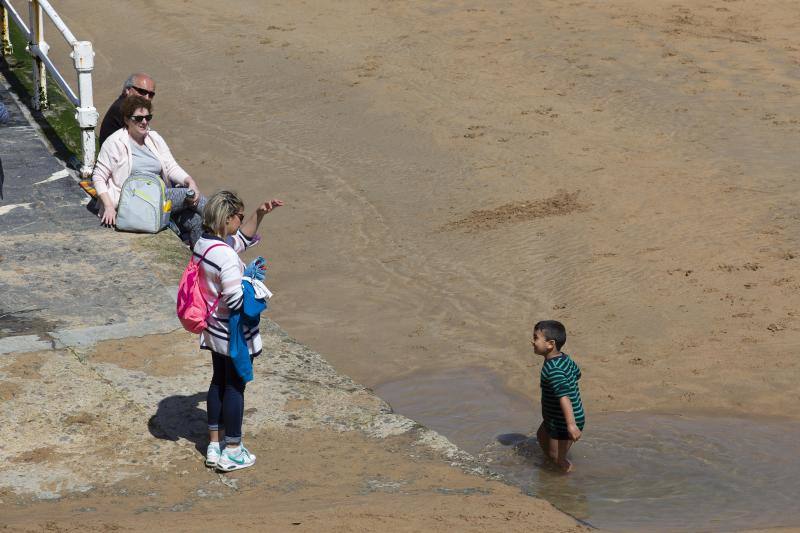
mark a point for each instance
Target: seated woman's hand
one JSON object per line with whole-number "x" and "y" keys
{"x": 190, "y": 183}
{"x": 109, "y": 217}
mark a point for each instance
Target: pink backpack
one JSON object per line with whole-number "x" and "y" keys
{"x": 192, "y": 308}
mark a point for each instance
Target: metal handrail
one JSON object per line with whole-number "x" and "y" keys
{"x": 83, "y": 59}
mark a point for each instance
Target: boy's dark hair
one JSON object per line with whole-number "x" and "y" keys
{"x": 553, "y": 330}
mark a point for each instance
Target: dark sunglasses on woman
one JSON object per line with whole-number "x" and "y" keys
{"x": 139, "y": 118}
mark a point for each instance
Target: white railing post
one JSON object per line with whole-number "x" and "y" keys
{"x": 82, "y": 56}
{"x": 86, "y": 114}
{"x": 5, "y": 33}
{"x": 38, "y": 44}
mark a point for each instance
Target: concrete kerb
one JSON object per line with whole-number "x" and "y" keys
{"x": 23, "y": 344}
{"x": 85, "y": 338}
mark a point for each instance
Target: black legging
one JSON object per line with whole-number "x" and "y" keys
{"x": 225, "y": 399}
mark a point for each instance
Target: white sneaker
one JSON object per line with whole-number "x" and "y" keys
{"x": 212, "y": 454}
{"x": 235, "y": 458}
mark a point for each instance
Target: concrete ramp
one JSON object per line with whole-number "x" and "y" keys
{"x": 64, "y": 279}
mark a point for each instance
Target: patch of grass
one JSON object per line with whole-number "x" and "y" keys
{"x": 58, "y": 120}
{"x": 167, "y": 252}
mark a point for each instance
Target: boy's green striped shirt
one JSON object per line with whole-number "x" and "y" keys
{"x": 559, "y": 377}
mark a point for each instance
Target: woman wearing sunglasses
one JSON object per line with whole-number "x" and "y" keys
{"x": 227, "y": 234}
{"x": 138, "y": 149}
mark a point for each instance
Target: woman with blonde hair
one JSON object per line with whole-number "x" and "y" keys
{"x": 227, "y": 233}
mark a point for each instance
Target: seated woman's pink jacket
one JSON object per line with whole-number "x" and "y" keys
{"x": 116, "y": 159}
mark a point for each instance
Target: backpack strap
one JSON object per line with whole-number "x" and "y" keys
{"x": 214, "y": 305}
{"x": 202, "y": 257}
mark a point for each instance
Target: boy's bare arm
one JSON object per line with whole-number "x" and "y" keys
{"x": 569, "y": 416}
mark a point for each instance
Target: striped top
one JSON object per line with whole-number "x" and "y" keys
{"x": 222, "y": 278}
{"x": 559, "y": 377}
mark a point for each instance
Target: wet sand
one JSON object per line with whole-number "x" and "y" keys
{"x": 454, "y": 172}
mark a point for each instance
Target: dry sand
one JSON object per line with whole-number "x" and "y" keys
{"x": 454, "y": 171}
{"x": 317, "y": 485}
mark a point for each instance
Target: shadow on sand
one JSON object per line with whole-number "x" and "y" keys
{"x": 525, "y": 445}
{"x": 181, "y": 417}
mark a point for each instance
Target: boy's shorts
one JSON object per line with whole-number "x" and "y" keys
{"x": 557, "y": 429}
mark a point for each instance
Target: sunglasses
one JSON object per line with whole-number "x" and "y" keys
{"x": 139, "y": 118}
{"x": 143, "y": 92}
{"x": 240, "y": 216}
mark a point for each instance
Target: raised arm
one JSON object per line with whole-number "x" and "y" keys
{"x": 250, "y": 226}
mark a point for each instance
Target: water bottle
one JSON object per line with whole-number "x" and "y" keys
{"x": 189, "y": 198}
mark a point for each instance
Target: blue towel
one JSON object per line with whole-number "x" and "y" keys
{"x": 255, "y": 269}
{"x": 245, "y": 318}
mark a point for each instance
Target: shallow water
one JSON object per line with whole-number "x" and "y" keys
{"x": 633, "y": 471}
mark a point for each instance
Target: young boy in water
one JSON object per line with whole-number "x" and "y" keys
{"x": 562, "y": 409}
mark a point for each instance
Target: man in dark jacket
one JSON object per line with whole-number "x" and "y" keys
{"x": 137, "y": 84}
